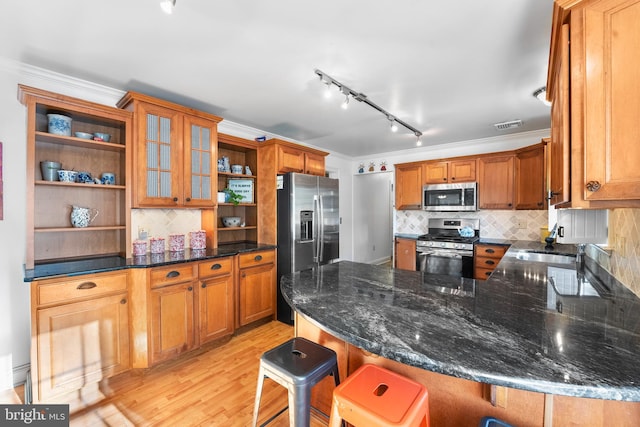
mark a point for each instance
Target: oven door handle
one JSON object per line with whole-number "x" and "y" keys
{"x": 443, "y": 254}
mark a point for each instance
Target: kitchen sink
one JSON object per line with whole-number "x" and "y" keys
{"x": 542, "y": 257}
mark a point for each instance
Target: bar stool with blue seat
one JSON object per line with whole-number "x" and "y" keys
{"x": 376, "y": 397}
{"x": 297, "y": 365}
{"x": 493, "y": 422}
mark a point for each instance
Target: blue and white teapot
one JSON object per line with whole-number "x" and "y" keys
{"x": 466, "y": 232}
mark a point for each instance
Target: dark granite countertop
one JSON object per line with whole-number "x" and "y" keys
{"x": 517, "y": 329}
{"x": 112, "y": 263}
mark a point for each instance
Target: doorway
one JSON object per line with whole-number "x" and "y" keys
{"x": 373, "y": 217}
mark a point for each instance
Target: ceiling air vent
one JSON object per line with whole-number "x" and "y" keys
{"x": 508, "y": 125}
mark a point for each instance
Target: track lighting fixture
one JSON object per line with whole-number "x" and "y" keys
{"x": 345, "y": 103}
{"x": 541, "y": 94}
{"x": 167, "y": 6}
{"x": 394, "y": 126}
{"x": 418, "y": 140}
{"x": 361, "y": 97}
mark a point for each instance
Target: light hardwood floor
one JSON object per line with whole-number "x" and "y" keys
{"x": 212, "y": 388}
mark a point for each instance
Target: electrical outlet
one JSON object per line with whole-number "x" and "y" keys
{"x": 522, "y": 223}
{"x": 142, "y": 234}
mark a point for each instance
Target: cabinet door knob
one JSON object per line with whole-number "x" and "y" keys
{"x": 172, "y": 274}
{"x": 258, "y": 258}
{"x": 444, "y": 179}
{"x": 175, "y": 199}
{"x": 188, "y": 199}
{"x": 87, "y": 285}
{"x": 216, "y": 266}
{"x": 190, "y": 288}
{"x": 123, "y": 301}
{"x": 593, "y": 186}
{"x": 204, "y": 285}
{"x": 244, "y": 274}
{"x": 453, "y": 178}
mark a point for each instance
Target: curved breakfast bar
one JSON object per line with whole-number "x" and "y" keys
{"x": 535, "y": 325}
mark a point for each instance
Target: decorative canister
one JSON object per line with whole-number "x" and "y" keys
{"x": 139, "y": 248}
{"x": 157, "y": 245}
{"x": 176, "y": 242}
{"x": 59, "y": 124}
{"x": 198, "y": 239}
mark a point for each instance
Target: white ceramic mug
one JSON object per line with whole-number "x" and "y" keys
{"x": 108, "y": 178}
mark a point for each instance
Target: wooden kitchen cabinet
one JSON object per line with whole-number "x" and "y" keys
{"x": 257, "y": 286}
{"x": 80, "y": 331}
{"x": 449, "y": 172}
{"x": 276, "y": 157}
{"x": 495, "y": 182}
{"x": 50, "y": 235}
{"x": 216, "y": 299}
{"x": 530, "y": 188}
{"x": 174, "y": 154}
{"x": 405, "y": 254}
{"x": 408, "y": 186}
{"x": 597, "y": 106}
{"x": 172, "y": 298}
{"x": 294, "y": 158}
{"x": 485, "y": 259}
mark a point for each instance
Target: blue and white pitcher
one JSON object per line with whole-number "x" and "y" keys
{"x": 82, "y": 217}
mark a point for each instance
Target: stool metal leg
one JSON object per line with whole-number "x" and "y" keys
{"x": 299, "y": 404}
{"x": 256, "y": 405}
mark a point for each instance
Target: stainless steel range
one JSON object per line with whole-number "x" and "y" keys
{"x": 447, "y": 248}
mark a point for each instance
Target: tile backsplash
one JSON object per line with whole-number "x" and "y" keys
{"x": 494, "y": 224}
{"x": 162, "y": 222}
{"x": 624, "y": 263}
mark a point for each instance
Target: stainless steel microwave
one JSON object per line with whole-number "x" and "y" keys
{"x": 461, "y": 196}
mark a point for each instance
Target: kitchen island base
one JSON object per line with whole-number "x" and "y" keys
{"x": 460, "y": 402}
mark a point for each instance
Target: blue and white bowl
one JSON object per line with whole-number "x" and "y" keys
{"x": 59, "y": 124}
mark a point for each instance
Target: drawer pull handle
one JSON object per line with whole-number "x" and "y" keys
{"x": 490, "y": 251}
{"x": 87, "y": 285}
{"x": 172, "y": 274}
{"x": 490, "y": 262}
{"x": 488, "y": 273}
{"x": 258, "y": 258}
{"x": 216, "y": 266}
{"x": 123, "y": 301}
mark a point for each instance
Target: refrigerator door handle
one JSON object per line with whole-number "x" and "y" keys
{"x": 316, "y": 229}
{"x": 321, "y": 230}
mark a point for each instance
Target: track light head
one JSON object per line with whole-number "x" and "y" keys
{"x": 167, "y": 6}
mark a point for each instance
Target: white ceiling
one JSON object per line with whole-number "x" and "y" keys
{"x": 451, "y": 69}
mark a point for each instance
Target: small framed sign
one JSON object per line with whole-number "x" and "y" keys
{"x": 244, "y": 187}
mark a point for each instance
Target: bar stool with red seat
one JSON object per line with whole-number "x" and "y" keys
{"x": 374, "y": 396}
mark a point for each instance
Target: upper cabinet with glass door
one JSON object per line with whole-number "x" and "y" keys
{"x": 174, "y": 153}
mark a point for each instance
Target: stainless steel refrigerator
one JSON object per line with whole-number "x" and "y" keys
{"x": 308, "y": 227}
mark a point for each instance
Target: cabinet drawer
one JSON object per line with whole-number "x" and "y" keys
{"x": 172, "y": 274}
{"x": 485, "y": 262}
{"x": 215, "y": 267}
{"x": 82, "y": 287}
{"x": 257, "y": 258}
{"x": 482, "y": 273}
{"x": 490, "y": 251}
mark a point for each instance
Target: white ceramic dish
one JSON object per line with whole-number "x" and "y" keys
{"x": 231, "y": 221}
